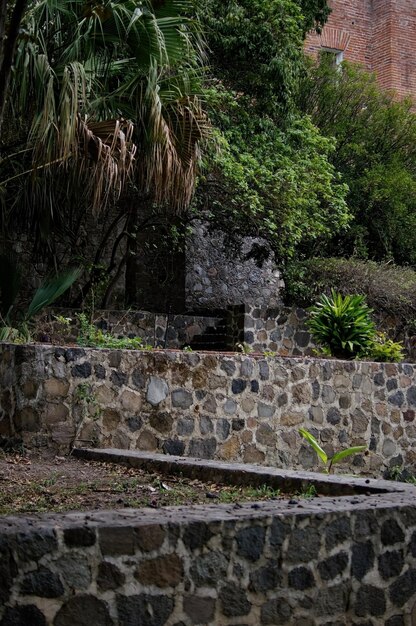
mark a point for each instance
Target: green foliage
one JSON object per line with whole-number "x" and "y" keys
{"x": 93, "y": 337}
{"x": 244, "y": 348}
{"x": 270, "y": 175}
{"x": 104, "y": 100}
{"x": 389, "y": 289}
{"x": 86, "y": 398}
{"x": 383, "y": 349}
{"x": 17, "y": 320}
{"x": 269, "y": 181}
{"x": 308, "y": 492}
{"x": 257, "y": 45}
{"x": 342, "y": 323}
{"x": 50, "y": 291}
{"x": 336, "y": 458}
{"x": 375, "y": 137}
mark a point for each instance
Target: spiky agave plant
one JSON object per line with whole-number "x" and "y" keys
{"x": 342, "y": 324}
{"x": 336, "y": 458}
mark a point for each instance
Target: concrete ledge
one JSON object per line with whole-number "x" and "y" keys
{"x": 246, "y": 474}
{"x": 314, "y": 562}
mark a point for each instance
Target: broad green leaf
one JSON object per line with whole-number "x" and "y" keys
{"x": 315, "y": 445}
{"x": 342, "y": 454}
{"x": 50, "y": 291}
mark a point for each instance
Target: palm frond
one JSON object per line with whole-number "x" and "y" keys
{"x": 50, "y": 291}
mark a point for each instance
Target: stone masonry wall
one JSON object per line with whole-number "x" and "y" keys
{"x": 282, "y": 330}
{"x": 349, "y": 564}
{"x": 157, "y": 330}
{"x": 279, "y": 329}
{"x": 215, "y": 280}
{"x": 218, "y": 406}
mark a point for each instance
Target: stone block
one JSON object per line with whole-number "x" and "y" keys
{"x": 266, "y": 436}
{"x": 83, "y": 610}
{"x": 390, "y": 564}
{"x": 54, "y": 413}
{"x": 234, "y": 601}
{"x": 266, "y": 578}
{"x": 230, "y": 450}
{"x": 74, "y": 570}
{"x": 304, "y": 545}
{"x": 391, "y": 532}
{"x": 275, "y": 612}
{"x": 250, "y": 542}
{"x": 147, "y": 441}
{"x": 301, "y": 578}
{"x": 109, "y": 577}
{"x": 110, "y": 419}
{"x": 25, "y": 615}
{"x": 150, "y": 537}
{"x": 163, "y": 571}
{"x": 208, "y": 569}
{"x": 362, "y": 559}
{"x": 199, "y": 609}
{"x": 174, "y": 447}
{"x": 143, "y": 610}
{"x": 196, "y": 535}
{"x": 43, "y": 583}
{"x": 32, "y": 546}
{"x": 27, "y": 419}
{"x": 131, "y": 401}
{"x": 370, "y": 601}
{"x": 182, "y": 399}
{"x": 82, "y": 370}
{"x": 79, "y": 537}
{"x": 333, "y": 566}
{"x": 56, "y": 387}
{"x": 116, "y": 540}
{"x": 202, "y": 448}
{"x": 252, "y": 454}
{"x": 63, "y": 434}
{"x": 301, "y": 393}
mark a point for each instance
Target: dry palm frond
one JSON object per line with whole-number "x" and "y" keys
{"x": 107, "y": 147}
{"x": 86, "y": 64}
{"x": 175, "y": 127}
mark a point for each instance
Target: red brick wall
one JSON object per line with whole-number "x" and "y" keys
{"x": 380, "y": 34}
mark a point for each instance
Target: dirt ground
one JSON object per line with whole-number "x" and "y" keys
{"x": 34, "y": 483}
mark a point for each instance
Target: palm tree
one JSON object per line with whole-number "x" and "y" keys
{"x": 104, "y": 96}
{"x": 82, "y": 70}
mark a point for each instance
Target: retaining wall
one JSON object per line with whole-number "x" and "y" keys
{"x": 348, "y": 561}
{"x": 218, "y": 406}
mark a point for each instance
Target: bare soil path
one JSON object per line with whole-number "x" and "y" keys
{"x": 37, "y": 483}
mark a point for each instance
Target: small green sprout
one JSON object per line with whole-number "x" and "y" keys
{"x": 336, "y": 458}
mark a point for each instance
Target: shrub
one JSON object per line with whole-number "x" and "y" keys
{"x": 383, "y": 349}
{"x": 93, "y": 337}
{"x": 342, "y": 324}
{"x": 389, "y": 290}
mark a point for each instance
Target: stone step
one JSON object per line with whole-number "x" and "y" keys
{"x": 246, "y": 474}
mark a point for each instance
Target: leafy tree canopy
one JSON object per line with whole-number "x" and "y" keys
{"x": 272, "y": 182}
{"x": 271, "y": 176}
{"x": 375, "y": 152}
{"x": 257, "y": 44}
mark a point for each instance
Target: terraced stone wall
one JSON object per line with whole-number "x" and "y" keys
{"x": 157, "y": 330}
{"x": 215, "y": 406}
{"x": 348, "y": 563}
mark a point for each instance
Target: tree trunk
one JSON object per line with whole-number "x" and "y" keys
{"x": 8, "y": 45}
